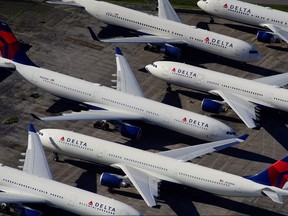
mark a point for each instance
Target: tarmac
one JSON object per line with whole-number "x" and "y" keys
{"x": 61, "y": 42}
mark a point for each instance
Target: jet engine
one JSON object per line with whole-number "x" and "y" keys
{"x": 213, "y": 106}
{"x": 130, "y": 131}
{"x": 168, "y": 50}
{"x": 267, "y": 37}
{"x": 112, "y": 181}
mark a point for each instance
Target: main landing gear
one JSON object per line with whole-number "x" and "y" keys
{"x": 101, "y": 125}
{"x": 212, "y": 21}
{"x": 56, "y": 157}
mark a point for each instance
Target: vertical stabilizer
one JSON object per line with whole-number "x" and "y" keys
{"x": 276, "y": 175}
{"x": 10, "y": 47}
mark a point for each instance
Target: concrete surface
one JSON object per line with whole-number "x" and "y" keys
{"x": 60, "y": 41}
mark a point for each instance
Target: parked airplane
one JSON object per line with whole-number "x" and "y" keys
{"x": 275, "y": 20}
{"x": 35, "y": 185}
{"x": 125, "y": 103}
{"x": 244, "y": 96}
{"x": 165, "y": 31}
{"x": 145, "y": 169}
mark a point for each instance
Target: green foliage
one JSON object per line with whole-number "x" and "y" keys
{"x": 11, "y": 120}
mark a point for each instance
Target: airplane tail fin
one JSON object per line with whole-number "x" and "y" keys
{"x": 11, "y": 48}
{"x": 276, "y": 175}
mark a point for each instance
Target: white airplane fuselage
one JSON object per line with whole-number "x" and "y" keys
{"x": 208, "y": 41}
{"x": 153, "y": 112}
{"x": 207, "y": 80}
{"x": 245, "y": 12}
{"x": 162, "y": 167}
{"x": 60, "y": 195}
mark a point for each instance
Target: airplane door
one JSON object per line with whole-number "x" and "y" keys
{"x": 166, "y": 117}
{"x": 71, "y": 200}
{"x": 34, "y": 77}
{"x": 99, "y": 153}
{"x": 216, "y": 5}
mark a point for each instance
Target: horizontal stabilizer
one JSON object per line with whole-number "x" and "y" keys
{"x": 9, "y": 66}
{"x": 273, "y": 195}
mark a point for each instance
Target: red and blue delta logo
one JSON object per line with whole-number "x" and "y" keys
{"x": 225, "y": 5}
{"x": 72, "y": 141}
{"x": 102, "y": 207}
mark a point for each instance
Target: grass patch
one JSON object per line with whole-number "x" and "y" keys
{"x": 11, "y": 120}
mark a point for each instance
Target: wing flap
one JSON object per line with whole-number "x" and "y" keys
{"x": 280, "y": 32}
{"x": 276, "y": 80}
{"x": 244, "y": 109}
{"x": 126, "y": 81}
{"x": 166, "y": 11}
{"x": 35, "y": 162}
{"x": 191, "y": 152}
{"x": 146, "y": 185}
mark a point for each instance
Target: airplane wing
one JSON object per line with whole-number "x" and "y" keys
{"x": 35, "y": 160}
{"x": 143, "y": 39}
{"x": 126, "y": 81}
{"x": 166, "y": 11}
{"x": 191, "y": 152}
{"x": 17, "y": 197}
{"x": 279, "y": 31}
{"x": 146, "y": 184}
{"x": 276, "y": 80}
{"x": 68, "y": 3}
{"x": 244, "y": 109}
{"x": 92, "y": 115}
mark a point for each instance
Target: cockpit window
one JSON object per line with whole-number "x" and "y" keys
{"x": 40, "y": 134}
{"x": 231, "y": 133}
{"x": 154, "y": 65}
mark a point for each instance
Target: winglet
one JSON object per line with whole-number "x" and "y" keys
{"x": 31, "y": 128}
{"x": 244, "y": 137}
{"x": 35, "y": 117}
{"x": 93, "y": 35}
{"x": 118, "y": 51}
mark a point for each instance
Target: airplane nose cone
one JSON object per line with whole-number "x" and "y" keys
{"x": 200, "y": 4}
{"x": 147, "y": 68}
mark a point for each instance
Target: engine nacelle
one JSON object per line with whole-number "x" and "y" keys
{"x": 112, "y": 181}
{"x": 130, "y": 131}
{"x": 171, "y": 51}
{"x": 213, "y": 106}
{"x": 168, "y": 50}
{"x": 267, "y": 37}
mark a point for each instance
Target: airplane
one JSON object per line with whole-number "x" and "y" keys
{"x": 245, "y": 97}
{"x": 34, "y": 184}
{"x": 162, "y": 33}
{"x": 126, "y": 102}
{"x": 256, "y": 15}
{"x": 146, "y": 169}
